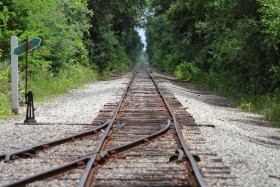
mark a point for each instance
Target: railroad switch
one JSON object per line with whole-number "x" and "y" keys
{"x": 179, "y": 156}
{"x": 30, "y": 111}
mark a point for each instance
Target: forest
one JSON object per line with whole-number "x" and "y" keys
{"x": 231, "y": 47}
{"x": 81, "y": 40}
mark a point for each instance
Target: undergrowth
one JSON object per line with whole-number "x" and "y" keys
{"x": 4, "y": 104}
{"x": 267, "y": 104}
{"x": 46, "y": 85}
{"x": 4, "y": 90}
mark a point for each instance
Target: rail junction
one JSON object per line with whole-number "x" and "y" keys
{"x": 136, "y": 142}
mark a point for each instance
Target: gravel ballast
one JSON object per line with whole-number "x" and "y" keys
{"x": 247, "y": 143}
{"x": 79, "y": 106}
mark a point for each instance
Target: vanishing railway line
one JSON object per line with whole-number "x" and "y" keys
{"x": 140, "y": 145}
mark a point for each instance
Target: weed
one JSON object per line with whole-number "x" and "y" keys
{"x": 46, "y": 85}
{"x": 267, "y": 104}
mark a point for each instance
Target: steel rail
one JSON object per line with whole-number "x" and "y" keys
{"x": 91, "y": 159}
{"x": 32, "y": 149}
{"x": 61, "y": 169}
{"x": 85, "y": 180}
{"x": 194, "y": 165}
{"x": 88, "y": 159}
{"x": 116, "y": 150}
{"x": 50, "y": 173}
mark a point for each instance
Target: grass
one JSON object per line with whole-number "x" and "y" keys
{"x": 5, "y": 104}
{"x": 267, "y": 104}
{"x": 4, "y": 90}
{"x": 45, "y": 85}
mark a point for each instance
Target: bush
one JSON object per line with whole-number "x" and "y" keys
{"x": 47, "y": 84}
{"x": 4, "y": 104}
{"x": 269, "y": 105}
{"x": 186, "y": 71}
{"x": 4, "y": 80}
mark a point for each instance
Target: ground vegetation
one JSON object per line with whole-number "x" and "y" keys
{"x": 232, "y": 47}
{"x": 81, "y": 40}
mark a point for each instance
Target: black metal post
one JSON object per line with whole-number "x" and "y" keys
{"x": 30, "y": 111}
{"x": 26, "y": 69}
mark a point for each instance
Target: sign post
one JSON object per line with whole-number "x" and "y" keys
{"x": 14, "y": 71}
{"x": 15, "y": 52}
{"x": 26, "y": 68}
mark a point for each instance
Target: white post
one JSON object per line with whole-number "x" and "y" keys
{"x": 14, "y": 63}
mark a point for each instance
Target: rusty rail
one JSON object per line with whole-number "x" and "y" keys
{"x": 116, "y": 150}
{"x": 89, "y": 160}
{"x": 182, "y": 141}
{"x": 50, "y": 173}
{"x": 86, "y": 175}
{"x": 26, "y": 152}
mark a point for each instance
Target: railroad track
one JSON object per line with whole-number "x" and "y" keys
{"x": 140, "y": 145}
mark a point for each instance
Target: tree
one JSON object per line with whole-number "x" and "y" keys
{"x": 236, "y": 41}
{"x": 113, "y": 29}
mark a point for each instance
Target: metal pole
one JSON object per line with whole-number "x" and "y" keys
{"x": 14, "y": 72}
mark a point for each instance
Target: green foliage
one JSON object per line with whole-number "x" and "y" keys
{"x": 159, "y": 43}
{"x": 4, "y": 90}
{"x": 120, "y": 62}
{"x": 114, "y": 34}
{"x": 47, "y": 85}
{"x": 4, "y": 79}
{"x": 77, "y": 36}
{"x": 271, "y": 21}
{"x": 133, "y": 44}
{"x": 186, "y": 71}
{"x": 142, "y": 58}
{"x": 5, "y": 32}
{"x": 269, "y": 105}
{"x": 62, "y": 32}
{"x": 234, "y": 45}
{"x": 275, "y": 75}
{"x": 4, "y": 104}
{"x": 246, "y": 105}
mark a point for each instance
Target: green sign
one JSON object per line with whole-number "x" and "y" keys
{"x": 32, "y": 44}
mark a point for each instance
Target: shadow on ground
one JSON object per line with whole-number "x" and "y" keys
{"x": 201, "y": 93}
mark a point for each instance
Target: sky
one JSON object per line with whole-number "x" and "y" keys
{"x": 143, "y": 37}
